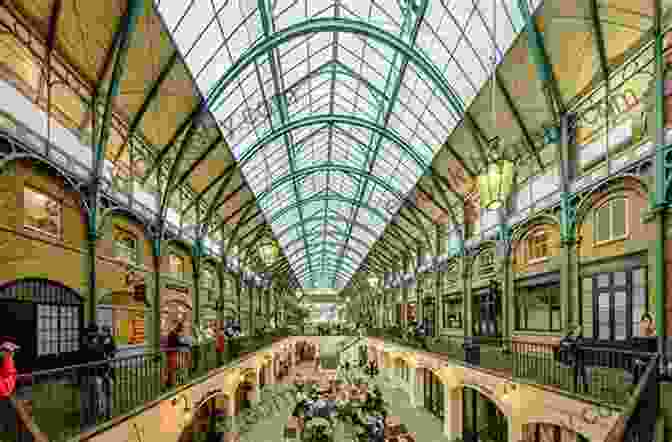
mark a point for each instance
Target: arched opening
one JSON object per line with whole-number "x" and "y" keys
{"x": 543, "y": 432}
{"x": 482, "y": 420}
{"x": 244, "y": 393}
{"x": 46, "y": 319}
{"x": 433, "y": 392}
{"x": 210, "y": 422}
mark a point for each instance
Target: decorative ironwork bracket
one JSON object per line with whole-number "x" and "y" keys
{"x": 568, "y": 204}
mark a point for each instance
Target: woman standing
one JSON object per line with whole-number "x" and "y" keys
{"x": 173, "y": 343}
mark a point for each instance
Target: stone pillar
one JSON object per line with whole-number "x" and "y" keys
{"x": 271, "y": 371}
{"x": 231, "y": 413}
{"x": 257, "y": 391}
{"x": 453, "y": 420}
{"x": 515, "y": 429}
{"x": 412, "y": 382}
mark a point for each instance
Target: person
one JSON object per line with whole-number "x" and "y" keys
{"x": 646, "y": 326}
{"x": 172, "y": 353}
{"x": 109, "y": 348}
{"x": 8, "y": 374}
{"x": 91, "y": 376}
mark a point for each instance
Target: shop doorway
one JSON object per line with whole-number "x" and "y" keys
{"x": 482, "y": 420}
{"x": 46, "y": 319}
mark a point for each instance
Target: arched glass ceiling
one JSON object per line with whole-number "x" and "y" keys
{"x": 266, "y": 65}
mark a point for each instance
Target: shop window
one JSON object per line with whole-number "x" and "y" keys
{"x": 486, "y": 262}
{"x": 537, "y": 246}
{"x": 43, "y": 212}
{"x": 176, "y": 265}
{"x": 619, "y": 302}
{"x": 57, "y": 329}
{"x": 538, "y": 308}
{"x": 125, "y": 246}
{"x": 452, "y": 311}
{"x": 610, "y": 221}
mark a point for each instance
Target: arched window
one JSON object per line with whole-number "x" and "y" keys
{"x": 537, "y": 246}
{"x": 610, "y": 221}
{"x": 176, "y": 265}
{"x": 125, "y": 245}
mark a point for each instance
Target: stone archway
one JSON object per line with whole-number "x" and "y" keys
{"x": 213, "y": 414}
{"x": 482, "y": 416}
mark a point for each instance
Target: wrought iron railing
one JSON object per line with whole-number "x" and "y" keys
{"x": 601, "y": 374}
{"x": 67, "y": 401}
{"x": 641, "y": 415}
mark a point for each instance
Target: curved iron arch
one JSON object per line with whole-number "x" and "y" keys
{"x": 343, "y": 276}
{"x": 333, "y": 119}
{"x": 331, "y": 243}
{"x": 328, "y": 260}
{"x": 329, "y": 197}
{"x": 329, "y": 263}
{"x": 340, "y": 25}
{"x": 330, "y": 217}
{"x": 126, "y": 212}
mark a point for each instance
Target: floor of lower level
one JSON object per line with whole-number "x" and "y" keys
{"x": 419, "y": 421}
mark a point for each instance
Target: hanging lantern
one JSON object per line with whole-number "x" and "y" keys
{"x": 494, "y": 186}
{"x": 269, "y": 251}
{"x": 373, "y": 281}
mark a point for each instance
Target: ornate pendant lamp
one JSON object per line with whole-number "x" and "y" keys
{"x": 496, "y": 181}
{"x": 269, "y": 251}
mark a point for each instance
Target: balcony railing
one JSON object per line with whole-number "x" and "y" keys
{"x": 604, "y": 375}
{"x": 64, "y": 402}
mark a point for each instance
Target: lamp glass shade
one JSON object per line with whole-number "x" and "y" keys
{"x": 269, "y": 251}
{"x": 494, "y": 186}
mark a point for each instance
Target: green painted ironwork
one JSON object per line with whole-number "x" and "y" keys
{"x": 663, "y": 168}
{"x": 568, "y": 204}
{"x": 281, "y": 99}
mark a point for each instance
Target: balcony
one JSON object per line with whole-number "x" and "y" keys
{"x": 603, "y": 375}
{"x": 55, "y": 405}
{"x": 620, "y": 379}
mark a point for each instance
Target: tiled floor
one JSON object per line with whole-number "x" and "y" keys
{"x": 426, "y": 427}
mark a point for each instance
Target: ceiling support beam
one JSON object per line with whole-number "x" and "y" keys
{"x": 281, "y": 101}
{"x": 535, "y": 42}
{"x": 527, "y": 139}
{"x": 151, "y": 95}
{"x": 410, "y": 27}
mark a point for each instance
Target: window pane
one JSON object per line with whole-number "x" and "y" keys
{"x": 620, "y": 323}
{"x": 639, "y": 301}
{"x": 618, "y": 217}
{"x": 554, "y": 301}
{"x": 619, "y": 278}
{"x": 537, "y": 310}
{"x": 602, "y": 223}
{"x": 603, "y": 280}
{"x": 603, "y": 316}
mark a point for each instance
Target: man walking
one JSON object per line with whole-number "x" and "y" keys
{"x": 109, "y": 349}
{"x": 91, "y": 377}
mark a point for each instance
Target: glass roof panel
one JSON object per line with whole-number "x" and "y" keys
{"x": 324, "y": 84}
